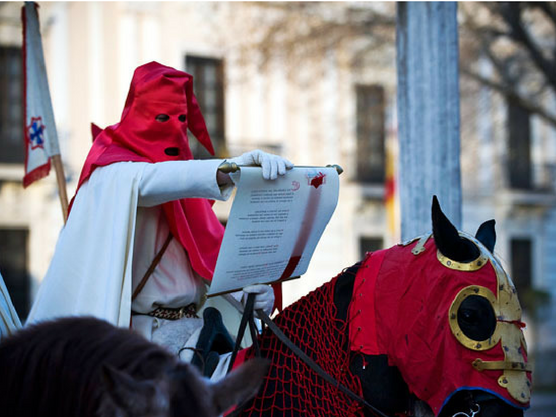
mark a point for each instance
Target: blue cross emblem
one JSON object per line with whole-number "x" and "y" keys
{"x": 36, "y": 133}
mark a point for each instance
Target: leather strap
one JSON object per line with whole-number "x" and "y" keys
{"x": 245, "y": 318}
{"x": 154, "y": 263}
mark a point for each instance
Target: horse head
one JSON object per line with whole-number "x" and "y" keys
{"x": 83, "y": 366}
{"x": 437, "y": 319}
{"x": 180, "y": 391}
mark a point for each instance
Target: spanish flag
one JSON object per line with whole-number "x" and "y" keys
{"x": 391, "y": 202}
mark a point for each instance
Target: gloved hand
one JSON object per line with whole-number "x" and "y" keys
{"x": 264, "y": 300}
{"x": 272, "y": 165}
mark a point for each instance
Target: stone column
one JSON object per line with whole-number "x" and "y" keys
{"x": 428, "y": 113}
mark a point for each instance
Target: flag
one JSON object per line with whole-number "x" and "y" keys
{"x": 390, "y": 191}
{"x": 41, "y": 139}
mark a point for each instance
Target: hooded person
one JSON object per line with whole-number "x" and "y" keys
{"x": 142, "y": 197}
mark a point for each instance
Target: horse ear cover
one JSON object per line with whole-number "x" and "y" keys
{"x": 447, "y": 238}
{"x": 486, "y": 234}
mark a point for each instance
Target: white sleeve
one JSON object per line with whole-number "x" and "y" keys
{"x": 172, "y": 180}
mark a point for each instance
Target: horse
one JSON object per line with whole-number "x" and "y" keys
{"x": 83, "y": 366}
{"x": 430, "y": 327}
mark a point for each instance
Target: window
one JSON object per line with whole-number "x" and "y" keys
{"x": 370, "y": 244}
{"x": 208, "y": 85}
{"x": 13, "y": 265}
{"x": 519, "y": 147}
{"x": 370, "y": 133}
{"x": 11, "y": 106}
{"x": 522, "y": 265}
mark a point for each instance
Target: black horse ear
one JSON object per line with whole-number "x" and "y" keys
{"x": 445, "y": 234}
{"x": 487, "y": 235}
{"x": 447, "y": 238}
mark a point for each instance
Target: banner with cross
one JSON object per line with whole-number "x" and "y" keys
{"x": 41, "y": 139}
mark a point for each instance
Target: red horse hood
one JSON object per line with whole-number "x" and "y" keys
{"x": 406, "y": 306}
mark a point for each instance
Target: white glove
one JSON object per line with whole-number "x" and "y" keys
{"x": 272, "y": 165}
{"x": 264, "y": 300}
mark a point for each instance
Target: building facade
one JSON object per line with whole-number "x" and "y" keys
{"x": 332, "y": 106}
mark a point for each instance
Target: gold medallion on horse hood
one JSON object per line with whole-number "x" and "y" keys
{"x": 508, "y": 331}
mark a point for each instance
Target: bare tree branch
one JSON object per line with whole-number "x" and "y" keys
{"x": 549, "y": 9}
{"x": 522, "y": 52}
{"x": 309, "y": 30}
{"x": 519, "y": 43}
{"x": 513, "y": 96}
{"x": 512, "y": 14}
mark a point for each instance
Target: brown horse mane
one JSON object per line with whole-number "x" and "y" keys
{"x": 57, "y": 369}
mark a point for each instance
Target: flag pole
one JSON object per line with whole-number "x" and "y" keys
{"x": 61, "y": 180}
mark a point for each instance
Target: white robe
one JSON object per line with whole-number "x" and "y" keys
{"x": 91, "y": 271}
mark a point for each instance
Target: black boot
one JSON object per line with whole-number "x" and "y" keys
{"x": 214, "y": 340}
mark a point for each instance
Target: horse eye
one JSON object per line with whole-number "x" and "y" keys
{"x": 182, "y": 118}
{"x": 162, "y": 118}
{"x": 476, "y": 318}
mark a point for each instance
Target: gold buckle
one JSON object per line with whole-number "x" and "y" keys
{"x": 420, "y": 246}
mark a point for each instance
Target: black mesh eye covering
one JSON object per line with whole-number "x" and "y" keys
{"x": 476, "y": 318}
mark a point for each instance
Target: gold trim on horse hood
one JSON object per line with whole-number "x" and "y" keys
{"x": 474, "y": 265}
{"x": 453, "y": 318}
{"x": 508, "y": 331}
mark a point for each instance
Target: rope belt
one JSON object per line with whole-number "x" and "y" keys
{"x": 174, "y": 313}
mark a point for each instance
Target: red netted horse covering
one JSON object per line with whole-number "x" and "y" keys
{"x": 291, "y": 387}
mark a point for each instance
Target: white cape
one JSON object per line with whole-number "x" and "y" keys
{"x": 90, "y": 273}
